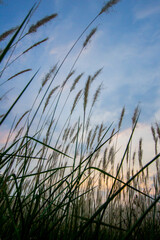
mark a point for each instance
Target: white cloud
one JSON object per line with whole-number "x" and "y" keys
{"x": 142, "y": 131}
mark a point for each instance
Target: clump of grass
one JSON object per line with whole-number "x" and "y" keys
{"x": 69, "y": 187}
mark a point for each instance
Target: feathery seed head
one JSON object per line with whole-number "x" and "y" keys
{"x": 96, "y": 94}
{"x": 88, "y": 38}
{"x": 96, "y": 74}
{"x": 105, "y": 158}
{"x": 86, "y": 91}
{"x": 100, "y": 131}
{"x": 35, "y": 45}
{"x": 94, "y": 135}
{"x": 76, "y": 100}
{"x": 108, "y": 5}
{"x": 121, "y": 118}
{"x": 49, "y": 96}
{"x": 20, "y": 119}
{"x": 153, "y": 133}
{"x": 26, "y": 70}
{"x": 76, "y": 81}
{"x": 43, "y": 21}
{"x": 7, "y": 33}
{"x": 89, "y": 138}
{"x": 111, "y": 155}
{"x": 111, "y": 135}
{"x": 48, "y": 75}
{"x": 140, "y": 152}
{"x": 158, "y": 130}
{"x": 67, "y": 78}
{"x": 135, "y": 115}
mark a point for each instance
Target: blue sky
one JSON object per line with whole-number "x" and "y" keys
{"x": 126, "y": 45}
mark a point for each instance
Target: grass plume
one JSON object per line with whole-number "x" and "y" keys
{"x": 4, "y": 35}
{"x": 41, "y": 22}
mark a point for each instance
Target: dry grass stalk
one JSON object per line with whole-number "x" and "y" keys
{"x": 154, "y": 138}
{"x": 76, "y": 100}
{"x": 96, "y": 156}
{"x": 153, "y": 133}
{"x": 48, "y": 131}
{"x": 67, "y": 78}
{"x": 66, "y": 134}
{"x": 76, "y": 81}
{"x": 104, "y": 159}
{"x": 135, "y": 115}
{"x": 111, "y": 155}
{"x": 140, "y": 153}
{"x": 89, "y": 138}
{"x": 66, "y": 149}
{"x": 100, "y": 131}
{"x": 75, "y": 136}
{"x": 86, "y": 91}
{"x": 41, "y": 22}
{"x": 49, "y": 96}
{"x": 108, "y": 5}
{"x": 88, "y": 122}
{"x": 73, "y": 129}
{"x": 133, "y": 158}
{"x": 158, "y": 130}
{"x": 111, "y": 135}
{"x": 94, "y": 135}
{"x": 96, "y": 74}
{"x": 18, "y": 134}
{"x": 35, "y": 45}
{"x": 88, "y": 38}
{"x": 48, "y": 75}
{"x": 26, "y": 70}
{"x": 7, "y": 33}
{"x": 95, "y": 97}
{"x": 121, "y": 118}
{"x": 20, "y": 119}
{"x": 127, "y": 156}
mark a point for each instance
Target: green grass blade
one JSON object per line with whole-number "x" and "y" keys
{"x": 38, "y": 173}
{"x": 109, "y": 175}
{"x": 18, "y": 98}
{"x": 15, "y": 35}
{"x": 54, "y": 149}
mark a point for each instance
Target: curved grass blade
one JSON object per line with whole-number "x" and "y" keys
{"x": 38, "y": 173}
{"x": 46, "y": 145}
{"x": 109, "y": 175}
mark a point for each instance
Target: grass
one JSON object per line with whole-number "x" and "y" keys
{"x": 68, "y": 186}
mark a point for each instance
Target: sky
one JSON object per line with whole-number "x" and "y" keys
{"x": 126, "y": 45}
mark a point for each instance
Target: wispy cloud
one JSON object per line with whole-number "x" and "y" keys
{"x": 147, "y": 11}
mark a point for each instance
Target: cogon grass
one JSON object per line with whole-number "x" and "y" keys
{"x": 60, "y": 196}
